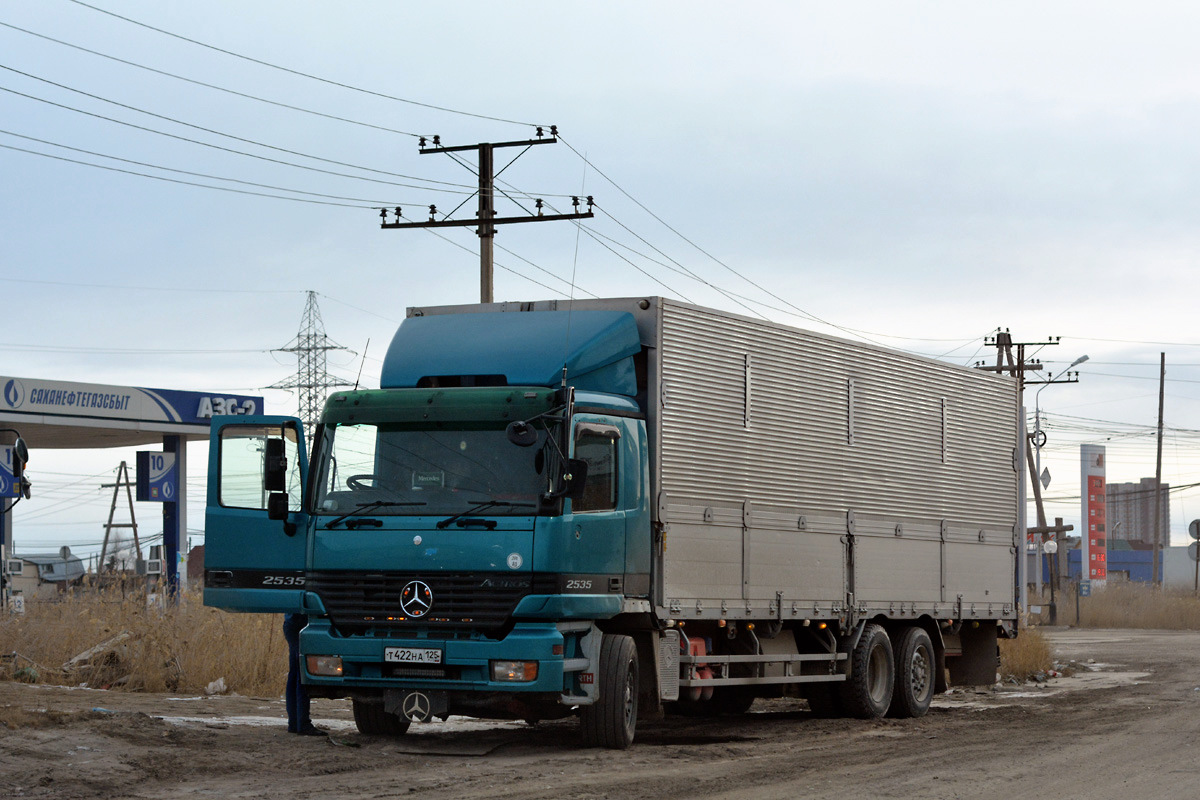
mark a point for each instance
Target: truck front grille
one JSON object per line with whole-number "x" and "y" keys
{"x": 371, "y": 602}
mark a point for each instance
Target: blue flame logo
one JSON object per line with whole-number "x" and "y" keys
{"x": 14, "y": 393}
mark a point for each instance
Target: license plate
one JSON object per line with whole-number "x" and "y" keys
{"x": 412, "y": 655}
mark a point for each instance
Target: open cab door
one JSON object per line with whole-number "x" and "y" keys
{"x": 255, "y": 532}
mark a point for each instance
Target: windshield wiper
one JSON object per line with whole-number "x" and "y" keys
{"x": 482, "y": 506}
{"x": 371, "y": 506}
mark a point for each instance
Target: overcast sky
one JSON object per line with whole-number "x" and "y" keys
{"x": 915, "y": 174}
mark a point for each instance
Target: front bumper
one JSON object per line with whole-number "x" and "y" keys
{"x": 465, "y": 663}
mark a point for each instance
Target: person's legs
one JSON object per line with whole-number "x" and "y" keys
{"x": 296, "y": 699}
{"x": 298, "y": 703}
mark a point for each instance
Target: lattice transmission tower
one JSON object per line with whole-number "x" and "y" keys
{"x": 313, "y": 379}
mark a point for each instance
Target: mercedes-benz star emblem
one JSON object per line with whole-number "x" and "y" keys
{"x": 416, "y": 707}
{"x": 416, "y": 598}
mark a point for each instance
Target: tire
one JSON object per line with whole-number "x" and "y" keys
{"x": 867, "y": 693}
{"x": 371, "y": 719}
{"x": 915, "y": 665}
{"x": 610, "y": 721}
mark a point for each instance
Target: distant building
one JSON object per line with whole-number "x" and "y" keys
{"x": 45, "y": 575}
{"x": 1131, "y": 513}
{"x": 1124, "y": 563}
{"x": 195, "y": 564}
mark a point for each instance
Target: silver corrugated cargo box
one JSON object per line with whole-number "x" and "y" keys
{"x": 805, "y": 471}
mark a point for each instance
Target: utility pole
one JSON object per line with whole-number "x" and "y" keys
{"x": 486, "y": 219}
{"x": 1156, "y": 577}
{"x": 1005, "y": 362}
{"x": 1017, "y": 367}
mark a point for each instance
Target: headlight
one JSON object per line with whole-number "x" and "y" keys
{"x": 514, "y": 670}
{"x": 325, "y": 665}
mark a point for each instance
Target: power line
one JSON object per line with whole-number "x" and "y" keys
{"x": 298, "y": 72}
{"x": 1142, "y": 377}
{"x": 1052, "y": 416}
{"x": 185, "y": 172}
{"x": 186, "y": 290}
{"x": 130, "y": 351}
{"x": 459, "y": 187}
{"x": 729, "y": 295}
{"x": 181, "y": 182}
{"x": 605, "y": 245}
{"x": 543, "y": 269}
{"x": 681, "y": 268}
{"x": 762, "y": 289}
{"x": 460, "y": 246}
{"x": 210, "y": 85}
{"x": 1133, "y": 341}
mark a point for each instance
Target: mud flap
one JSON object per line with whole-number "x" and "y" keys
{"x": 668, "y": 665}
{"x": 980, "y": 657}
{"x": 581, "y": 662}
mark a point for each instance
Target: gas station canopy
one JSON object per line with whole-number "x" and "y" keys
{"x": 62, "y": 414}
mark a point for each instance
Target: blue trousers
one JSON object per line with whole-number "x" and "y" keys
{"x": 297, "y": 695}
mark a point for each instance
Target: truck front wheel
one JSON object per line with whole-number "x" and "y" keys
{"x": 611, "y": 720}
{"x": 372, "y": 720}
{"x": 867, "y": 693}
{"x": 915, "y": 664}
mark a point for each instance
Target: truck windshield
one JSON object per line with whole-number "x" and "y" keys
{"x": 442, "y": 472}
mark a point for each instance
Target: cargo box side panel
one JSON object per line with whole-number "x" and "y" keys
{"x": 752, "y": 412}
{"x": 799, "y": 557}
{"x": 897, "y": 568}
{"x": 979, "y": 572}
{"x": 703, "y": 557}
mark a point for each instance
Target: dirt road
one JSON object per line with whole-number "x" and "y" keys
{"x": 1128, "y": 729}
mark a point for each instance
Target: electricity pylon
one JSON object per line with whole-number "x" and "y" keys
{"x": 312, "y": 378}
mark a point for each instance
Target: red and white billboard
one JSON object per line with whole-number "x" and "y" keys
{"x": 1095, "y": 536}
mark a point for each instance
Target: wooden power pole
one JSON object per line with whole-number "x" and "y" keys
{"x": 486, "y": 219}
{"x": 123, "y": 482}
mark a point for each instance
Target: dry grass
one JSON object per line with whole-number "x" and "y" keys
{"x": 1136, "y": 605}
{"x": 181, "y": 648}
{"x": 1026, "y": 655}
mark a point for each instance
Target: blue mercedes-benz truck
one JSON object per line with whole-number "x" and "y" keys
{"x": 615, "y": 508}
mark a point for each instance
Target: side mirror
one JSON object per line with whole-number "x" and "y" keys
{"x": 575, "y": 478}
{"x": 20, "y": 454}
{"x": 277, "y": 506}
{"x": 277, "y": 509}
{"x": 20, "y": 457}
{"x": 275, "y": 467}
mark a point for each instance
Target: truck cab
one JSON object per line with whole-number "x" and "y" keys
{"x": 456, "y": 540}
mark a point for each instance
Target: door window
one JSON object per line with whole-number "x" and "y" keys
{"x": 243, "y": 466}
{"x": 597, "y": 445}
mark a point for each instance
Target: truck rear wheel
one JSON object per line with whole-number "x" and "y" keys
{"x": 371, "y": 719}
{"x": 611, "y": 720}
{"x": 915, "y": 665}
{"x": 867, "y": 693}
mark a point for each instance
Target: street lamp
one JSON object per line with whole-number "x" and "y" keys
{"x": 1039, "y": 439}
